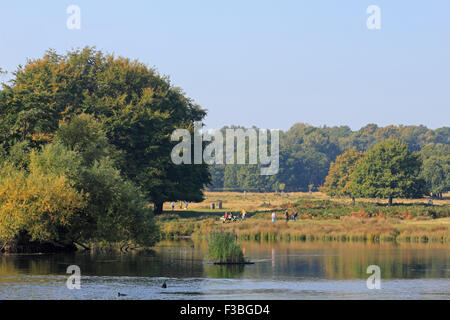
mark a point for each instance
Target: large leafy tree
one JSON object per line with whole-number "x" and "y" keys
{"x": 389, "y": 170}
{"x": 338, "y": 181}
{"x": 137, "y": 108}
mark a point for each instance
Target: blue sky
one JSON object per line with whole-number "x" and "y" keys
{"x": 264, "y": 63}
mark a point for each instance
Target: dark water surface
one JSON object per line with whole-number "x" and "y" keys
{"x": 281, "y": 271}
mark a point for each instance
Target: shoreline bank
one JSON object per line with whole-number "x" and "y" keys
{"x": 344, "y": 230}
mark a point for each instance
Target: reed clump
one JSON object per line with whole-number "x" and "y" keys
{"x": 345, "y": 229}
{"x": 222, "y": 248}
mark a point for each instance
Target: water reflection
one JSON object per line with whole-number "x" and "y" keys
{"x": 293, "y": 269}
{"x": 223, "y": 271}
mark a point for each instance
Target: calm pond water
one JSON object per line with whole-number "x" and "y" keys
{"x": 281, "y": 271}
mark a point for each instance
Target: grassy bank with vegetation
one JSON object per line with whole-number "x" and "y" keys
{"x": 319, "y": 218}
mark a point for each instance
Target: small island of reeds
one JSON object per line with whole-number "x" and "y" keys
{"x": 223, "y": 249}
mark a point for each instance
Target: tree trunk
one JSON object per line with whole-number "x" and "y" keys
{"x": 390, "y": 201}
{"x": 82, "y": 245}
{"x": 3, "y": 246}
{"x": 158, "y": 209}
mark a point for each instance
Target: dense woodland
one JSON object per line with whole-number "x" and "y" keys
{"x": 306, "y": 153}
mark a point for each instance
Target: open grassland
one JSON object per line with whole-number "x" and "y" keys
{"x": 319, "y": 218}
{"x": 236, "y": 201}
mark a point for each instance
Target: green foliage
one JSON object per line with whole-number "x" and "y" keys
{"x": 222, "y": 248}
{"x": 137, "y": 110}
{"x": 84, "y": 135}
{"x": 388, "y": 170}
{"x": 436, "y": 167}
{"x": 19, "y": 154}
{"x": 247, "y": 177}
{"x": 56, "y": 159}
{"x": 225, "y": 271}
{"x": 42, "y": 204}
{"x": 337, "y": 183}
{"x": 306, "y": 153}
{"x": 116, "y": 211}
{"x": 102, "y": 205}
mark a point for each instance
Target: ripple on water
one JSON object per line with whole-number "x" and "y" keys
{"x": 97, "y": 287}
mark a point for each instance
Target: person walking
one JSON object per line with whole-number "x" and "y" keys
{"x": 274, "y": 217}
{"x": 286, "y": 215}
{"x": 243, "y": 213}
{"x": 294, "y": 216}
{"x": 173, "y": 206}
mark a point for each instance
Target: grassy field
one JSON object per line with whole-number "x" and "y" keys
{"x": 236, "y": 201}
{"x": 319, "y": 218}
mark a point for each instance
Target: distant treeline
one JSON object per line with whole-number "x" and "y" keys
{"x": 306, "y": 153}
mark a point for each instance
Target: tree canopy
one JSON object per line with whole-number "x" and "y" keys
{"x": 436, "y": 167}
{"x": 306, "y": 153}
{"x": 68, "y": 193}
{"x": 137, "y": 108}
{"x": 85, "y": 147}
{"x": 389, "y": 170}
{"x": 338, "y": 181}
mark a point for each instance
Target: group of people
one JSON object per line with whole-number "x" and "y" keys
{"x": 229, "y": 217}
{"x": 181, "y": 205}
{"x": 287, "y": 216}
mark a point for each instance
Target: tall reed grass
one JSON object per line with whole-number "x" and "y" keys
{"x": 326, "y": 220}
{"x": 222, "y": 248}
